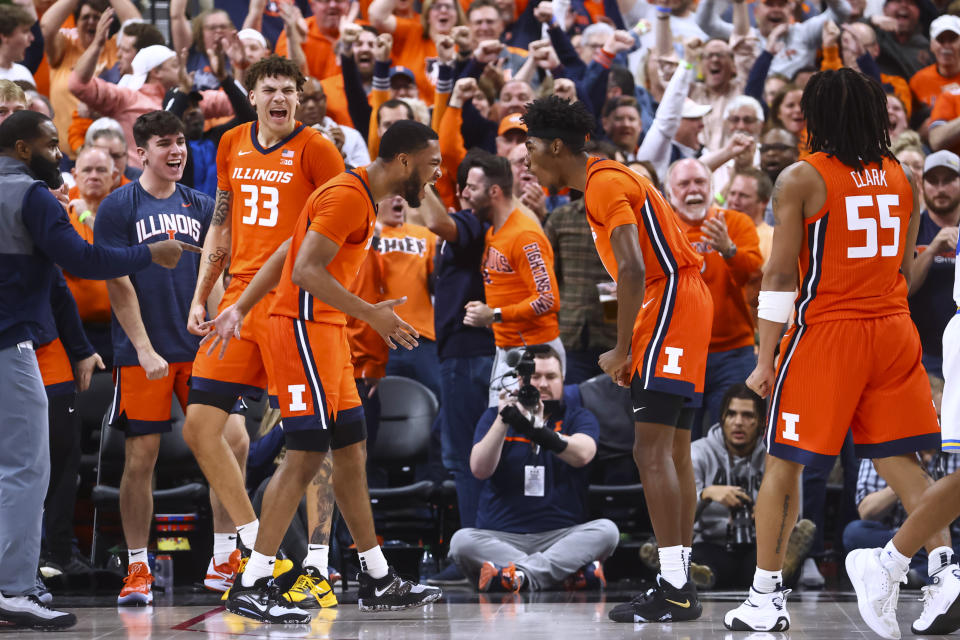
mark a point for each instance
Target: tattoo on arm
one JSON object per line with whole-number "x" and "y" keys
{"x": 783, "y": 523}
{"x": 221, "y": 208}
{"x": 777, "y": 188}
{"x": 320, "y": 534}
{"x": 219, "y": 257}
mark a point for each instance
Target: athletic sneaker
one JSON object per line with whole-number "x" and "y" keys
{"x": 760, "y": 612}
{"x": 449, "y": 577}
{"x": 589, "y": 577}
{"x": 312, "y": 590}
{"x": 220, "y": 576}
{"x": 941, "y": 604}
{"x": 494, "y": 578}
{"x": 264, "y": 602}
{"x": 43, "y": 594}
{"x": 393, "y": 593}
{"x": 28, "y": 611}
{"x": 280, "y": 567}
{"x": 877, "y": 591}
{"x": 136, "y": 590}
{"x": 660, "y": 603}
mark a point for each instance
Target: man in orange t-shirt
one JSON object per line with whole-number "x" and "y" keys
{"x": 730, "y": 246}
{"x": 943, "y": 75}
{"x": 518, "y": 276}
{"x": 323, "y": 30}
{"x": 407, "y": 252}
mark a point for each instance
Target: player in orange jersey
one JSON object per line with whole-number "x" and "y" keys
{"x": 848, "y": 214}
{"x": 313, "y": 372}
{"x": 662, "y": 306}
{"x": 266, "y": 170}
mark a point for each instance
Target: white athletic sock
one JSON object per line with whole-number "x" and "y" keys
{"x": 373, "y": 563}
{"x": 138, "y": 555}
{"x": 894, "y": 562}
{"x": 317, "y": 556}
{"x": 671, "y": 565}
{"x": 687, "y": 552}
{"x": 258, "y": 566}
{"x": 767, "y": 581}
{"x": 223, "y": 545}
{"x": 248, "y": 533}
{"x": 938, "y": 560}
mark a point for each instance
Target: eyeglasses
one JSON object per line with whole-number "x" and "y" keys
{"x": 764, "y": 148}
{"x": 442, "y": 7}
{"x": 742, "y": 120}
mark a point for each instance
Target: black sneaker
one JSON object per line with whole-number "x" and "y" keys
{"x": 264, "y": 602}
{"x": 29, "y": 611}
{"x": 393, "y": 593}
{"x": 661, "y": 603}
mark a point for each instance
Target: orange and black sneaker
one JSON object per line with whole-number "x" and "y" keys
{"x": 136, "y": 590}
{"x": 220, "y": 576}
{"x": 589, "y": 577}
{"x": 494, "y": 578}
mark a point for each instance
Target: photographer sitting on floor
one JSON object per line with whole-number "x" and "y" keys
{"x": 532, "y": 452}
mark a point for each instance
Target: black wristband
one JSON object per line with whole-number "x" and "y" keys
{"x": 549, "y": 440}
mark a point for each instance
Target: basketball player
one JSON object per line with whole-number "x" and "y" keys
{"x": 849, "y": 214}
{"x": 266, "y": 170}
{"x": 662, "y": 338}
{"x": 153, "y": 352}
{"x": 319, "y": 403}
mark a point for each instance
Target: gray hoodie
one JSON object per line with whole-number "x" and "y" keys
{"x": 713, "y": 465}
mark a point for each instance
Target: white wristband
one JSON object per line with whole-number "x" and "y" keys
{"x": 776, "y": 306}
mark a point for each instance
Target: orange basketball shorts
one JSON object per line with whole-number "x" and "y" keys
{"x": 55, "y": 368}
{"x": 142, "y": 406}
{"x": 842, "y": 375}
{"x": 313, "y": 373}
{"x": 243, "y": 369}
{"x": 672, "y": 336}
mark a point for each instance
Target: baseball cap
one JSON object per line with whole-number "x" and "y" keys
{"x": 943, "y": 158}
{"x": 253, "y": 34}
{"x": 146, "y": 60}
{"x": 402, "y": 71}
{"x": 943, "y": 24}
{"x": 693, "y": 109}
{"x": 512, "y": 121}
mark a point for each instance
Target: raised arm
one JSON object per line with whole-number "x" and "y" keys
{"x": 912, "y": 267}
{"x": 180, "y": 33}
{"x": 50, "y": 25}
{"x": 436, "y": 218}
{"x": 87, "y": 64}
{"x": 254, "y": 19}
{"x": 126, "y": 10}
{"x": 381, "y": 15}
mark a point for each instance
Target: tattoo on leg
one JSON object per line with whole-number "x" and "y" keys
{"x": 783, "y": 523}
{"x": 325, "y": 502}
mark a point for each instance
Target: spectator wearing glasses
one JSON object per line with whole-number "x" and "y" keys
{"x": 778, "y": 150}
{"x": 199, "y": 36}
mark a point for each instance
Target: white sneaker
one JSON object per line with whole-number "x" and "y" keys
{"x": 28, "y": 611}
{"x": 810, "y": 576}
{"x": 877, "y": 591}
{"x": 941, "y": 604}
{"x": 760, "y": 612}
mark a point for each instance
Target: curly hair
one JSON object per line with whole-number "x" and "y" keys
{"x": 273, "y": 66}
{"x": 846, "y": 114}
{"x": 554, "y": 117}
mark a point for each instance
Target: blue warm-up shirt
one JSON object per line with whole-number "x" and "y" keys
{"x": 35, "y": 236}
{"x": 458, "y": 281}
{"x": 129, "y": 217}
{"x": 503, "y": 505}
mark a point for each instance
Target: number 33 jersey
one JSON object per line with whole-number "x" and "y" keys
{"x": 269, "y": 188}
{"x": 853, "y": 247}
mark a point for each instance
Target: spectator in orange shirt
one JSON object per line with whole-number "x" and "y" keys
{"x": 415, "y": 35}
{"x": 729, "y": 244}
{"x": 407, "y": 254}
{"x": 323, "y": 30}
{"x": 518, "y": 277}
{"x": 65, "y": 46}
{"x": 96, "y": 175}
{"x": 943, "y": 76}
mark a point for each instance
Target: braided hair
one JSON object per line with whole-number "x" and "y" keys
{"x": 846, "y": 114}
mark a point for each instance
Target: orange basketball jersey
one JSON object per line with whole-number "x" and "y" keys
{"x": 616, "y": 196}
{"x": 853, "y": 247}
{"x": 269, "y": 188}
{"x": 342, "y": 210}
